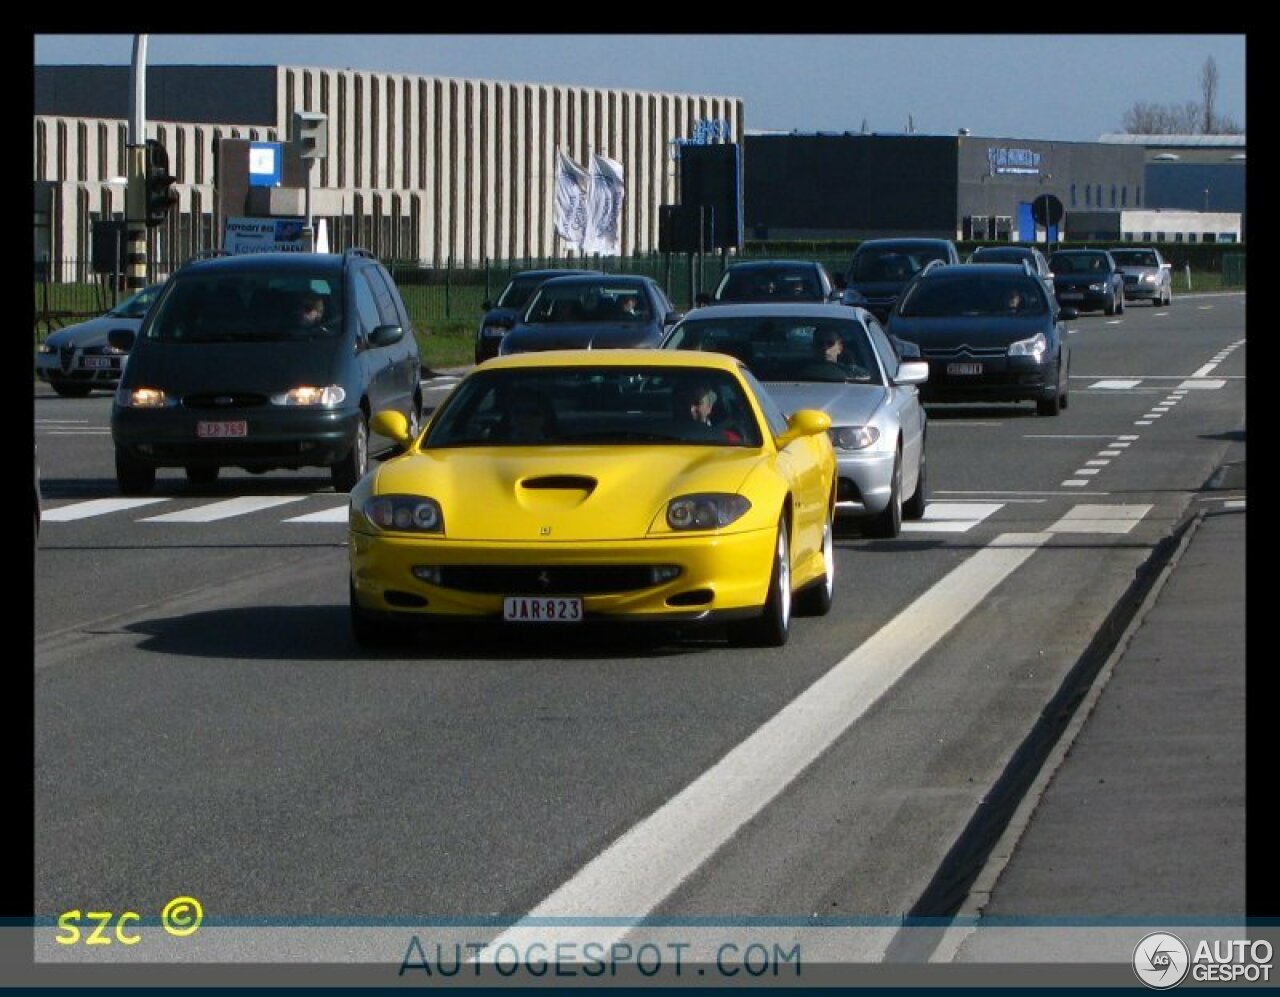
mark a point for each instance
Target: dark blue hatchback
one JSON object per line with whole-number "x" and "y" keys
{"x": 989, "y": 332}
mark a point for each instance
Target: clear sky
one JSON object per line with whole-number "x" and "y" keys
{"x": 1053, "y": 87}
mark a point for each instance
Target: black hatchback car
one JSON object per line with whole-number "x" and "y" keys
{"x": 881, "y": 269}
{"x": 773, "y": 280}
{"x": 1088, "y": 280}
{"x": 263, "y": 361}
{"x": 501, "y": 315}
{"x": 989, "y": 332}
{"x": 605, "y": 311}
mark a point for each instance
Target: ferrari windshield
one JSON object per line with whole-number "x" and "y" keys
{"x": 621, "y": 406}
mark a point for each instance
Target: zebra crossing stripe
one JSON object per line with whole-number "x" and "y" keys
{"x": 224, "y": 510}
{"x": 1100, "y": 519}
{"x": 94, "y": 507}
{"x": 952, "y": 517}
{"x": 338, "y": 514}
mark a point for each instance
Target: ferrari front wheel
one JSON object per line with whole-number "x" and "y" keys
{"x": 773, "y": 626}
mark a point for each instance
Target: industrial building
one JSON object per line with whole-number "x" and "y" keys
{"x": 418, "y": 168}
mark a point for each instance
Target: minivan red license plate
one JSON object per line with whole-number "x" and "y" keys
{"x": 222, "y": 430}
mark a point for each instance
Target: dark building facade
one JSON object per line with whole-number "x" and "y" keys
{"x": 957, "y": 187}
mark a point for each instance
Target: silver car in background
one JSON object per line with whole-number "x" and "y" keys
{"x": 1147, "y": 277}
{"x": 878, "y": 426}
{"x": 76, "y": 359}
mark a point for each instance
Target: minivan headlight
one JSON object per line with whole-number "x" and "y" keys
{"x": 328, "y": 396}
{"x": 1033, "y": 347}
{"x": 143, "y": 398}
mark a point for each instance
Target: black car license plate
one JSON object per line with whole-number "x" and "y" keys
{"x": 964, "y": 369}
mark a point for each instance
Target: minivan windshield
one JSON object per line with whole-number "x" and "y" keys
{"x": 250, "y": 307}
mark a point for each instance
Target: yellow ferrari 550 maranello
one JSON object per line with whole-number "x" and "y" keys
{"x": 575, "y": 485}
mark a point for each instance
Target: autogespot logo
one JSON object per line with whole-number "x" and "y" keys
{"x": 1161, "y": 960}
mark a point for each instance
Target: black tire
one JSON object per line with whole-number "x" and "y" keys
{"x": 914, "y": 507}
{"x": 1110, "y": 307}
{"x": 773, "y": 626}
{"x": 1120, "y": 303}
{"x": 816, "y": 599}
{"x": 71, "y": 390}
{"x": 132, "y": 477}
{"x": 372, "y": 629}
{"x": 887, "y": 524}
{"x": 1050, "y": 406}
{"x": 351, "y": 468}
{"x": 199, "y": 474}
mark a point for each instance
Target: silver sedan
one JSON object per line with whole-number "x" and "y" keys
{"x": 841, "y": 361}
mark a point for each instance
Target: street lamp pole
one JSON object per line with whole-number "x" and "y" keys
{"x": 136, "y": 193}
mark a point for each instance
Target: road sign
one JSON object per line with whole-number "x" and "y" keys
{"x": 1046, "y": 210}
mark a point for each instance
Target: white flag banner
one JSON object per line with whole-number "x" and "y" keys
{"x": 604, "y": 206}
{"x": 572, "y": 184}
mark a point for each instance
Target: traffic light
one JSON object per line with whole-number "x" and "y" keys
{"x": 311, "y": 134}
{"x": 161, "y": 197}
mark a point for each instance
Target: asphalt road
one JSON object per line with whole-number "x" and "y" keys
{"x": 205, "y": 725}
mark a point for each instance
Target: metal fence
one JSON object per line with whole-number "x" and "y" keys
{"x": 68, "y": 291}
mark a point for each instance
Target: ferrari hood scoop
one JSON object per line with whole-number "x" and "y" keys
{"x": 561, "y": 490}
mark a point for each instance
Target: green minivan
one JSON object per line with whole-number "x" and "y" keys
{"x": 264, "y": 361}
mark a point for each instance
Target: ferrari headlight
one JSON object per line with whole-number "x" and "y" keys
{"x": 1033, "y": 347}
{"x": 328, "y": 396}
{"x": 708, "y": 511}
{"x": 404, "y": 513}
{"x": 853, "y": 437}
{"x": 143, "y": 398}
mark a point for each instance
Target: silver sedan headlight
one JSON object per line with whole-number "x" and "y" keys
{"x": 853, "y": 437}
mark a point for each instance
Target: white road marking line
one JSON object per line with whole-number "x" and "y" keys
{"x": 1206, "y": 370}
{"x": 224, "y": 510}
{"x": 943, "y": 491}
{"x": 1076, "y": 483}
{"x": 1110, "y": 453}
{"x": 94, "y": 507}
{"x": 1208, "y": 384}
{"x": 1234, "y": 504}
{"x": 1116, "y": 384}
{"x": 1129, "y": 437}
{"x": 951, "y": 517}
{"x": 1086, "y": 471}
{"x": 1100, "y": 519}
{"x": 1142, "y": 422}
{"x": 336, "y": 515}
{"x": 648, "y": 862}
{"x": 1096, "y": 463}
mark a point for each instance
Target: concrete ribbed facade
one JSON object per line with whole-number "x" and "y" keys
{"x": 418, "y": 168}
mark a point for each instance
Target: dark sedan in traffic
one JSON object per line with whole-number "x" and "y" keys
{"x": 989, "y": 332}
{"x": 501, "y": 315}
{"x": 773, "y": 280}
{"x": 1088, "y": 280}
{"x": 604, "y": 311}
